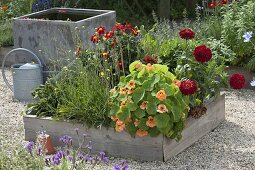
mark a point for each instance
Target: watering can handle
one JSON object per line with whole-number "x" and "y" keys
{"x": 13, "y": 51}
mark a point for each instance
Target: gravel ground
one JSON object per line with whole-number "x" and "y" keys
{"x": 230, "y": 146}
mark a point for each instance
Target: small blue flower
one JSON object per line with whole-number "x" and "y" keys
{"x": 80, "y": 156}
{"x": 252, "y": 83}
{"x": 247, "y": 36}
{"x": 105, "y": 160}
{"x": 56, "y": 159}
{"x": 67, "y": 140}
{"x": 67, "y": 151}
{"x": 39, "y": 149}
{"x": 102, "y": 153}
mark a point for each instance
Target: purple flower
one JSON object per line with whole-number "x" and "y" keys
{"x": 105, "y": 160}
{"x": 122, "y": 161}
{"x": 60, "y": 154}
{"x": 70, "y": 158}
{"x": 66, "y": 140}
{"x": 102, "y": 153}
{"x": 247, "y": 36}
{"x": 56, "y": 159}
{"x": 117, "y": 167}
{"x": 67, "y": 151}
{"x": 39, "y": 149}
{"x": 88, "y": 159}
{"x": 125, "y": 167}
{"x": 29, "y": 146}
{"x": 80, "y": 156}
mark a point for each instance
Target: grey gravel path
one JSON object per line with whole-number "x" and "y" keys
{"x": 230, "y": 146}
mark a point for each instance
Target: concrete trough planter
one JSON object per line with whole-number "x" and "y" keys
{"x": 122, "y": 145}
{"x": 51, "y": 33}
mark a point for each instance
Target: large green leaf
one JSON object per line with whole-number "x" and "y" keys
{"x": 151, "y": 107}
{"x": 138, "y": 94}
{"x": 132, "y": 66}
{"x": 131, "y": 129}
{"x": 114, "y": 110}
{"x": 142, "y": 124}
{"x": 124, "y": 114}
{"x": 175, "y": 107}
{"x": 132, "y": 106}
{"x": 162, "y": 120}
{"x": 141, "y": 73}
{"x": 139, "y": 113}
{"x": 160, "y": 68}
{"x": 154, "y": 132}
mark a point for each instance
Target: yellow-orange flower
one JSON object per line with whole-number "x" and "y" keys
{"x": 113, "y": 90}
{"x": 136, "y": 123}
{"x": 131, "y": 84}
{"x": 130, "y": 91}
{"x": 177, "y": 82}
{"x": 4, "y": 7}
{"x": 138, "y": 66}
{"x": 141, "y": 133}
{"x": 162, "y": 108}
{"x": 123, "y": 103}
{"x": 151, "y": 122}
{"x": 114, "y": 118}
{"x": 119, "y": 122}
{"x": 149, "y": 67}
{"x": 143, "y": 106}
{"x": 105, "y": 55}
{"x": 120, "y": 128}
{"x": 123, "y": 90}
{"x": 161, "y": 95}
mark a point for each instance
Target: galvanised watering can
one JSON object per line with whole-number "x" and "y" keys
{"x": 26, "y": 77}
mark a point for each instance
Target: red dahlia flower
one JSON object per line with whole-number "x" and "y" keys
{"x": 109, "y": 35}
{"x": 100, "y": 30}
{"x": 188, "y": 87}
{"x": 202, "y": 54}
{"x": 114, "y": 43}
{"x": 187, "y": 34}
{"x": 213, "y": 5}
{"x": 237, "y": 81}
{"x": 94, "y": 39}
{"x": 128, "y": 25}
{"x": 149, "y": 59}
{"x": 224, "y": 1}
{"x": 135, "y": 31}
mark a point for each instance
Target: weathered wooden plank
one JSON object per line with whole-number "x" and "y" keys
{"x": 116, "y": 144}
{"x": 196, "y": 128}
{"x": 122, "y": 144}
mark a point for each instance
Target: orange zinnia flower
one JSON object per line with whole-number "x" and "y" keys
{"x": 151, "y": 122}
{"x": 123, "y": 90}
{"x": 4, "y": 7}
{"x": 161, "y": 95}
{"x": 162, "y": 108}
{"x": 177, "y": 82}
{"x": 131, "y": 84}
{"x": 136, "y": 123}
{"x": 105, "y": 55}
{"x": 123, "y": 103}
{"x": 143, "y": 106}
{"x": 149, "y": 67}
{"x": 141, "y": 133}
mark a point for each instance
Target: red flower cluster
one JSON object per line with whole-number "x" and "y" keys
{"x": 237, "y": 81}
{"x": 149, "y": 59}
{"x": 117, "y": 30}
{"x": 202, "y": 54}
{"x": 215, "y": 3}
{"x": 188, "y": 87}
{"x": 187, "y": 34}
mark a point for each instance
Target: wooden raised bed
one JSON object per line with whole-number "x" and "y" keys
{"x": 121, "y": 144}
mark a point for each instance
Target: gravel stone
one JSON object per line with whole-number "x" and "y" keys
{"x": 230, "y": 146}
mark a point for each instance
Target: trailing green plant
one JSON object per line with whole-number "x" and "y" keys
{"x": 148, "y": 102}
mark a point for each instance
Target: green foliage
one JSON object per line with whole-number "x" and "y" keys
{"x": 137, "y": 99}
{"x": 6, "y": 33}
{"x": 238, "y": 18}
{"x": 78, "y": 93}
